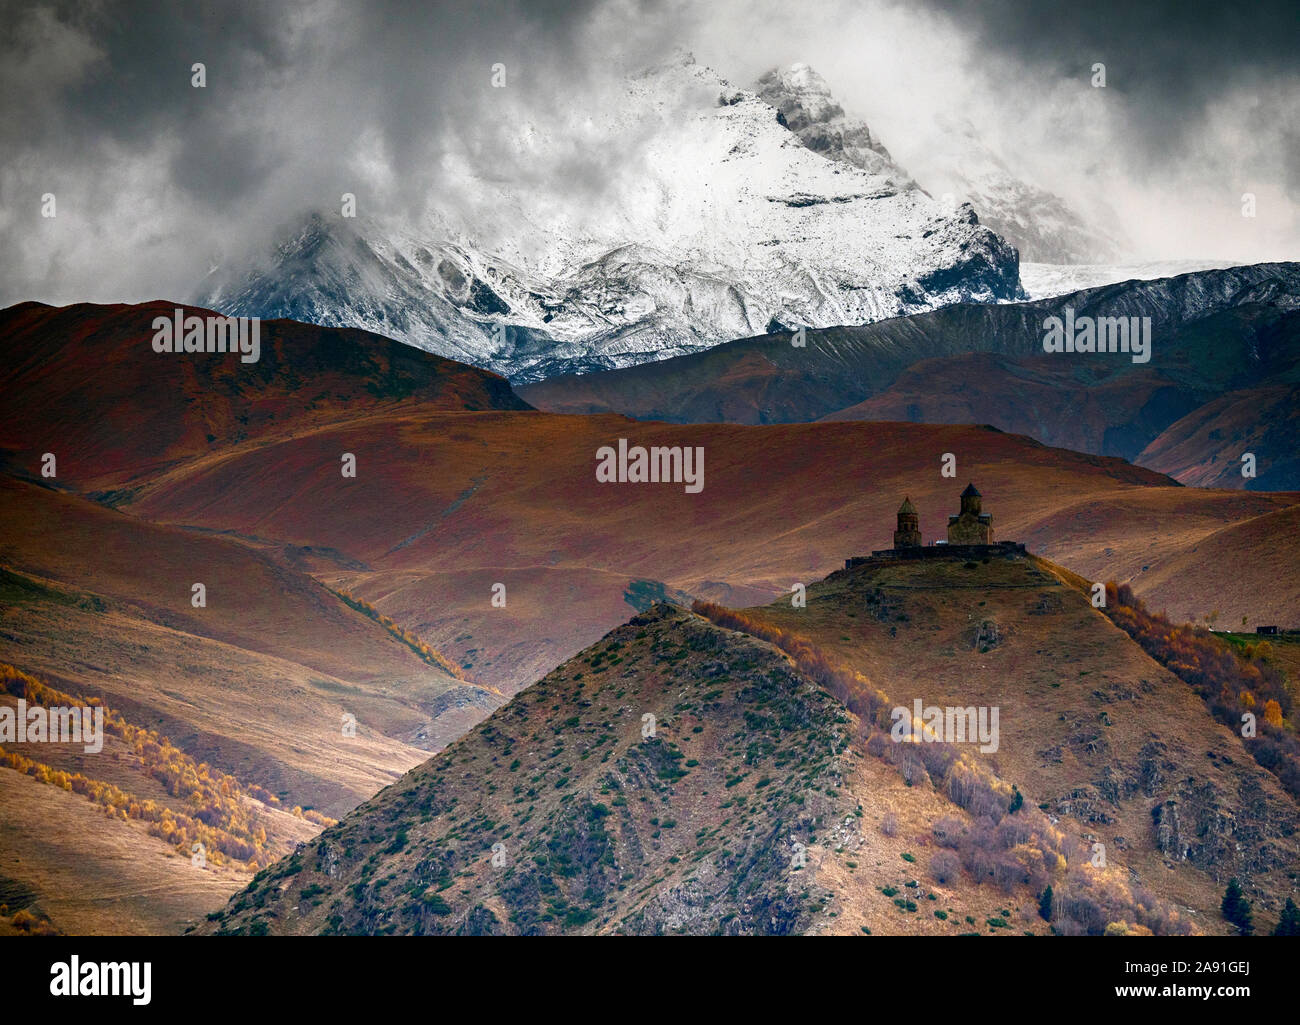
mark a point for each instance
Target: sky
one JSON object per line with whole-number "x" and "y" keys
{"x": 156, "y": 182}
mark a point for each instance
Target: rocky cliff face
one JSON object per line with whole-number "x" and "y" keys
{"x": 808, "y": 109}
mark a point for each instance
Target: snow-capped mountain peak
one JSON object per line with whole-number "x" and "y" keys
{"x": 730, "y": 224}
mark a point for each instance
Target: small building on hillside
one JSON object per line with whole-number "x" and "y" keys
{"x": 908, "y": 534}
{"x": 970, "y": 536}
{"x": 970, "y": 526}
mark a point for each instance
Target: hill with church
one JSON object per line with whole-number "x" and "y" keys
{"x": 741, "y": 772}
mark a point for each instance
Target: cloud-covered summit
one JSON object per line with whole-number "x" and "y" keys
{"x": 156, "y": 182}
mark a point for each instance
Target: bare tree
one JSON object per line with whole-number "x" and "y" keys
{"x": 945, "y": 867}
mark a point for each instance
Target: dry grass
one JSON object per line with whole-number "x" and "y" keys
{"x": 1082, "y": 707}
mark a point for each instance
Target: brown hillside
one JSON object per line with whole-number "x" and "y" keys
{"x": 449, "y": 501}
{"x": 256, "y": 682}
{"x": 447, "y": 504}
{"x": 1215, "y": 336}
{"x": 124, "y": 882}
{"x": 1058, "y": 403}
{"x": 84, "y": 383}
{"x": 1205, "y": 447}
{"x": 1092, "y": 730}
{"x": 605, "y": 830}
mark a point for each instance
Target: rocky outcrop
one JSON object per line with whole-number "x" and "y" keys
{"x": 808, "y": 109}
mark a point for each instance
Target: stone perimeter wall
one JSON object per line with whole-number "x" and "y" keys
{"x": 1001, "y": 548}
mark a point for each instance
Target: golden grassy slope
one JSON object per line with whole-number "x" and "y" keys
{"x": 256, "y": 684}
{"x": 1092, "y": 730}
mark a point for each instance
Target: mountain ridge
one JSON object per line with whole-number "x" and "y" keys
{"x": 1213, "y": 332}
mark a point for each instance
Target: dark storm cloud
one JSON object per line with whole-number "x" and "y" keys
{"x": 303, "y": 101}
{"x": 1172, "y": 60}
{"x": 388, "y": 67}
{"x": 1169, "y": 47}
{"x": 137, "y": 83}
{"x": 157, "y": 182}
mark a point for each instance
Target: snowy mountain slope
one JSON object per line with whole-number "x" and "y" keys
{"x": 1044, "y": 280}
{"x": 729, "y": 226}
{"x": 1044, "y": 227}
{"x": 953, "y": 163}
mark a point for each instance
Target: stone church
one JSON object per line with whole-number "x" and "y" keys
{"x": 970, "y": 535}
{"x": 968, "y": 527}
{"x": 908, "y": 534}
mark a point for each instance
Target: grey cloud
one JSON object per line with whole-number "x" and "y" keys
{"x": 1172, "y": 60}
{"x": 303, "y": 101}
{"x": 311, "y": 98}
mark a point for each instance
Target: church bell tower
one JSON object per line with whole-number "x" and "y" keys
{"x": 908, "y": 534}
